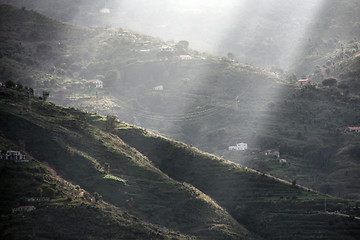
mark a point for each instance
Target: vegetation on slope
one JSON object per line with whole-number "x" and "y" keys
{"x": 75, "y": 145}
{"x": 266, "y": 205}
{"x": 63, "y": 210}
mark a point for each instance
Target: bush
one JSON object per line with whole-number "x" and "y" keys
{"x": 354, "y": 151}
{"x": 10, "y": 84}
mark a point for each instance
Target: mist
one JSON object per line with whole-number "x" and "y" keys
{"x": 244, "y": 28}
{"x": 261, "y": 32}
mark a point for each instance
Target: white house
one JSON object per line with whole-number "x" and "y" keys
{"x": 185, "y": 57}
{"x": 23, "y": 209}
{"x": 97, "y": 83}
{"x": 105, "y": 11}
{"x": 282, "y": 161}
{"x": 159, "y": 88}
{"x": 165, "y": 48}
{"x": 239, "y": 147}
{"x": 13, "y": 155}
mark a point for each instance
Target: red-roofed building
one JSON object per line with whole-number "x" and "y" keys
{"x": 98, "y": 83}
{"x": 304, "y": 82}
{"x": 352, "y": 129}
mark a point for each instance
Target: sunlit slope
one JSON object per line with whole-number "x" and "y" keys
{"x": 75, "y": 146}
{"x": 64, "y": 211}
{"x": 271, "y": 207}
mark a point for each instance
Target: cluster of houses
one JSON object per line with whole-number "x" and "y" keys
{"x": 239, "y": 147}
{"x": 30, "y": 208}
{"x": 275, "y": 153}
{"x": 15, "y": 156}
{"x": 269, "y": 153}
{"x": 272, "y": 153}
{"x": 159, "y": 88}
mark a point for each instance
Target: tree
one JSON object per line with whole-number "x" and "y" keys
{"x": 330, "y": 82}
{"x": 10, "y": 84}
{"x": 110, "y": 123}
{"x": 45, "y": 95}
{"x": 164, "y": 55}
{"x": 97, "y": 196}
{"x": 39, "y": 191}
{"x": 271, "y": 106}
{"x": 31, "y": 91}
{"x": 343, "y": 86}
{"x": 230, "y": 55}
{"x": 184, "y": 44}
{"x": 111, "y": 77}
{"x": 19, "y": 86}
{"x": 107, "y": 167}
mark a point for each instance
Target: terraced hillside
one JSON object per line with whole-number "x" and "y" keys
{"x": 74, "y": 145}
{"x": 166, "y": 183}
{"x": 266, "y": 205}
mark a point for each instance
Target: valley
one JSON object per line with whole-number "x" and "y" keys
{"x": 142, "y": 127}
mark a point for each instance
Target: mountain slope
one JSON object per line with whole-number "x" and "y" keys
{"x": 70, "y": 142}
{"x": 73, "y": 144}
{"x": 63, "y": 210}
{"x": 272, "y": 208}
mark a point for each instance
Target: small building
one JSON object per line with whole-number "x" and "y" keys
{"x": 104, "y": 10}
{"x": 159, "y": 88}
{"x": 272, "y": 153}
{"x": 97, "y": 83}
{"x": 15, "y": 156}
{"x": 352, "y": 129}
{"x": 23, "y": 209}
{"x": 305, "y": 82}
{"x": 38, "y": 199}
{"x": 282, "y": 161}
{"x": 239, "y": 147}
{"x": 166, "y": 48}
{"x": 185, "y": 57}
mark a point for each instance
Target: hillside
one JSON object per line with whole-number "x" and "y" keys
{"x": 72, "y": 144}
{"x": 63, "y": 211}
{"x": 166, "y": 183}
{"x": 275, "y": 33}
{"x": 207, "y": 101}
